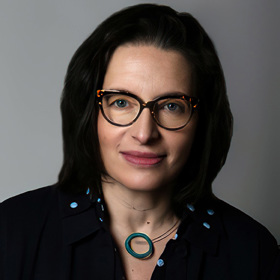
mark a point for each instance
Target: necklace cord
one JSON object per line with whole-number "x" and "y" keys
{"x": 165, "y": 234}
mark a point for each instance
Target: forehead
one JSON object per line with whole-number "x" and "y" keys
{"x": 148, "y": 69}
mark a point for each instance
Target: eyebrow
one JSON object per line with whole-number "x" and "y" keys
{"x": 172, "y": 93}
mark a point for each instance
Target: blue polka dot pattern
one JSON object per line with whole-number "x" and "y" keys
{"x": 73, "y": 205}
{"x": 160, "y": 262}
{"x": 210, "y": 212}
{"x": 206, "y": 225}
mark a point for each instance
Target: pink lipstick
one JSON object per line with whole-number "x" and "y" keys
{"x": 140, "y": 158}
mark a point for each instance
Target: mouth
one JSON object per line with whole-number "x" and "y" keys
{"x": 142, "y": 159}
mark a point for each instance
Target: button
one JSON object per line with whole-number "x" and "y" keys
{"x": 102, "y": 207}
{"x": 191, "y": 207}
{"x": 74, "y": 205}
{"x": 160, "y": 262}
{"x": 88, "y": 191}
{"x": 101, "y": 220}
{"x": 98, "y": 200}
{"x": 206, "y": 225}
{"x": 210, "y": 212}
{"x": 176, "y": 236}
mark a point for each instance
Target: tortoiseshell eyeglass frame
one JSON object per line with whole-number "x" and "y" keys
{"x": 194, "y": 101}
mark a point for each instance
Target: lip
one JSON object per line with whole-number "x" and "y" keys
{"x": 142, "y": 158}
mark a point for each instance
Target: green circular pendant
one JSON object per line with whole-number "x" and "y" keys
{"x": 133, "y": 253}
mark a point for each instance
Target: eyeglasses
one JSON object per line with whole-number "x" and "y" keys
{"x": 121, "y": 108}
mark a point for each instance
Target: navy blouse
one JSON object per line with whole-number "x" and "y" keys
{"x": 50, "y": 235}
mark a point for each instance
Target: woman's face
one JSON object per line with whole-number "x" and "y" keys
{"x": 144, "y": 156}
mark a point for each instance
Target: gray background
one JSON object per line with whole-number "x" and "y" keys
{"x": 38, "y": 39}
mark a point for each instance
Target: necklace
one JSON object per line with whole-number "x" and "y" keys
{"x": 149, "y": 241}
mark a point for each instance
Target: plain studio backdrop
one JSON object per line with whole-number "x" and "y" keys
{"x": 38, "y": 39}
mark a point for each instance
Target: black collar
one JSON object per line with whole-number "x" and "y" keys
{"x": 78, "y": 216}
{"x": 204, "y": 225}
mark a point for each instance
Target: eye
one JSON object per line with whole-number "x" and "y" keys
{"x": 171, "y": 107}
{"x": 121, "y": 103}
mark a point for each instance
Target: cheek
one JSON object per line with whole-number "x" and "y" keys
{"x": 104, "y": 134}
{"x": 182, "y": 144}
{"x": 109, "y": 136}
{"x": 181, "y": 150}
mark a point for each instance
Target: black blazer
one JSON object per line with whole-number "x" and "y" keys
{"x": 44, "y": 236}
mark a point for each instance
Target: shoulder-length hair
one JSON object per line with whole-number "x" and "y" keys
{"x": 164, "y": 28}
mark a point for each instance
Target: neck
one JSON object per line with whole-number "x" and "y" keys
{"x": 131, "y": 210}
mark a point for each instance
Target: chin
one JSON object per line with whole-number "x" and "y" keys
{"x": 144, "y": 185}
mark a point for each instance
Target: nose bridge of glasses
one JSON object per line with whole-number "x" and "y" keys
{"x": 149, "y": 105}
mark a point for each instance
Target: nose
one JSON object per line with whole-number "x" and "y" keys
{"x": 145, "y": 129}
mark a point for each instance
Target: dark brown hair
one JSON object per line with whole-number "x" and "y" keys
{"x": 166, "y": 29}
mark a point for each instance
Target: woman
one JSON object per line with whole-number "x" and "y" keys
{"x": 146, "y": 128}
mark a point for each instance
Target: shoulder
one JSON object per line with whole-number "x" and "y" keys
{"x": 29, "y": 201}
{"x": 29, "y": 223}
{"x": 249, "y": 241}
{"x": 241, "y": 225}
{"x": 27, "y": 210}
{"x": 229, "y": 223}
